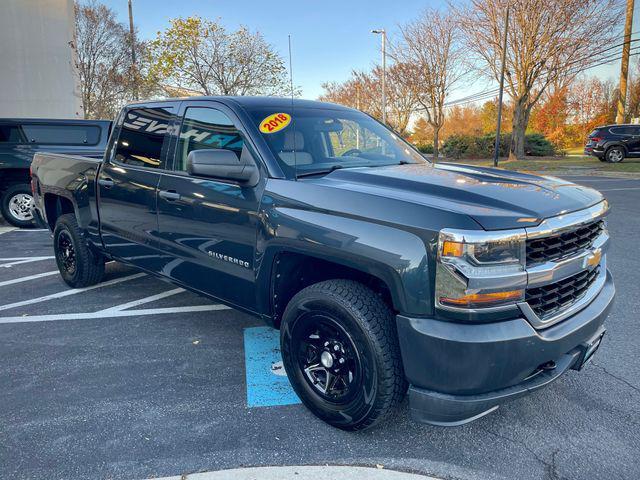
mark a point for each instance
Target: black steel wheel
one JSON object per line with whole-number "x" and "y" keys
{"x": 340, "y": 350}
{"x": 79, "y": 266}
{"x": 67, "y": 252}
{"x": 328, "y": 357}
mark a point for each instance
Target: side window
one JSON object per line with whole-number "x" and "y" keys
{"x": 11, "y": 134}
{"x": 143, "y": 140}
{"x": 204, "y": 127}
{"x": 623, "y": 131}
{"x": 62, "y": 134}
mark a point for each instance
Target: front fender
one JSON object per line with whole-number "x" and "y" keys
{"x": 399, "y": 258}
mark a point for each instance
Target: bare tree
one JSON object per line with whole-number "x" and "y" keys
{"x": 102, "y": 58}
{"x": 362, "y": 91}
{"x": 546, "y": 40}
{"x": 430, "y": 57}
{"x": 201, "y": 55}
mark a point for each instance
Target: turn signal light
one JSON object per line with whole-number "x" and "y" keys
{"x": 452, "y": 249}
{"x": 483, "y": 299}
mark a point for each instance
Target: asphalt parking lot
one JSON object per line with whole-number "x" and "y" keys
{"x": 135, "y": 379}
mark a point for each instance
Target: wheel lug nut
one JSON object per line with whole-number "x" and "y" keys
{"x": 336, "y": 348}
{"x": 341, "y": 360}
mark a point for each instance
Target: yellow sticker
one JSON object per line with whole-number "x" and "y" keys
{"x": 274, "y": 123}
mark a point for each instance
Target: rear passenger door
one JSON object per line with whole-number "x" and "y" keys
{"x": 209, "y": 226}
{"x": 628, "y": 136}
{"x": 633, "y": 140}
{"x": 128, "y": 184}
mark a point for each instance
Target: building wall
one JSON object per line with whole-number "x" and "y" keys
{"x": 37, "y": 73}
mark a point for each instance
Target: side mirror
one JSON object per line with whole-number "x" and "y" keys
{"x": 223, "y": 164}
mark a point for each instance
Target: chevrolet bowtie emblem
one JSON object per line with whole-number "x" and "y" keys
{"x": 593, "y": 260}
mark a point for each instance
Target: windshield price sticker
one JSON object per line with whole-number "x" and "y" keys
{"x": 274, "y": 123}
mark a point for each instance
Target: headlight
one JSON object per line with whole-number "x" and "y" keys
{"x": 480, "y": 269}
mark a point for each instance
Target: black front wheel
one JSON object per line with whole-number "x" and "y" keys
{"x": 78, "y": 265}
{"x": 341, "y": 353}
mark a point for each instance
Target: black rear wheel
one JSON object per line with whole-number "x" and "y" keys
{"x": 79, "y": 266}
{"x": 341, "y": 353}
{"x": 615, "y": 155}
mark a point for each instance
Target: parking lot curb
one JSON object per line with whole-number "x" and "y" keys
{"x": 302, "y": 473}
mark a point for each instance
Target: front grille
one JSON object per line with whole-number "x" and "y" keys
{"x": 549, "y": 299}
{"x": 555, "y": 247}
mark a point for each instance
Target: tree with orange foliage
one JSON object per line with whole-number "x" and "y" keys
{"x": 362, "y": 91}
{"x": 550, "y": 117}
{"x": 592, "y": 103}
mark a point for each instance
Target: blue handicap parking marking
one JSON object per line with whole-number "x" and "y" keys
{"x": 267, "y": 382}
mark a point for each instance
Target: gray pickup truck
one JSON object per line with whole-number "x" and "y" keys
{"x": 21, "y": 138}
{"x": 467, "y": 286}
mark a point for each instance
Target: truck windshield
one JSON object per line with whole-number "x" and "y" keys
{"x": 312, "y": 141}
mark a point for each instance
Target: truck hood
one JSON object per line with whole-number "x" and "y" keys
{"x": 495, "y": 198}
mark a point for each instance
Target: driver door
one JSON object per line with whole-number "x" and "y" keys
{"x": 210, "y": 225}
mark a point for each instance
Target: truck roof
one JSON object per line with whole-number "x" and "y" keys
{"x": 53, "y": 120}
{"x": 254, "y": 101}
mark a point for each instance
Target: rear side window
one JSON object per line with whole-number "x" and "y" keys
{"x": 143, "y": 140}
{"x": 11, "y": 134}
{"x": 622, "y": 130}
{"x": 204, "y": 127}
{"x": 62, "y": 134}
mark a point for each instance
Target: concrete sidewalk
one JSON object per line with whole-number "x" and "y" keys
{"x": 302, "y": 473}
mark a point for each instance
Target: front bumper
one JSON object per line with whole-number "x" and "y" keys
{"x": 459, "y": 372}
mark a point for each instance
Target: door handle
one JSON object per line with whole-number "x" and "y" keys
{"x": 105, "y": 182}
{"x": 169, "y": 195}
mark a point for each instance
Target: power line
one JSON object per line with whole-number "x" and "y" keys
{"x": 487, "y": 94}
{"x": 569, "y": 63}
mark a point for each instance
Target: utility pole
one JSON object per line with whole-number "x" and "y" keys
{"x": 624, "y": 67}
{"x": 496, "y": 152}
{"x": 132, "y": 39}
{"x": 384, "y": 72}
{"x": 358, "y": 107}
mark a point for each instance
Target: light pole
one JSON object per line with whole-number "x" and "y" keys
{"x": 384, "y": 72}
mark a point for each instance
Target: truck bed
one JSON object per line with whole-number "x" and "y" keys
{"x": 70, "y": 176}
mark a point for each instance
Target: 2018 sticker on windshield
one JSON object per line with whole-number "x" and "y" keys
{"x": 275, "y": 122}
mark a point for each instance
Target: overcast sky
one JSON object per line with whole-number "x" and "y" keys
{"x": 330, "y": 37}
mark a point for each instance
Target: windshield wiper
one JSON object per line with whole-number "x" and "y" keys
{"x": 319, "y": 172}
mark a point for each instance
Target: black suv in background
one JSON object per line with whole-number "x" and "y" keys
{"x": 20, "y": 139}
{"x": 614, "y": 143}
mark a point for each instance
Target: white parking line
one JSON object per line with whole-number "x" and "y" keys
{"x": 618, "y": 189}
{"x": 20, "y": 261}
{"x": 26, "y": 279}
{"x": 142, "y": 301}
{"x": 6, "y": 230}
{"x": 112, "y": 314}
{"x": 66, "y": 293}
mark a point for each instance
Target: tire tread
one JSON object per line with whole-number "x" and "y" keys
{"x": 376, "y": 319}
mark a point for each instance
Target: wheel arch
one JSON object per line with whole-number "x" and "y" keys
{"x": 293, "y": 271}
{"x": 56, "y": 205}
{"x": 304, "y": 246}
{"x": 608, "y": 146}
